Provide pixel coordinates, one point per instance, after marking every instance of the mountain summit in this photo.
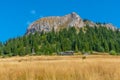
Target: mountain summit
(57, 22)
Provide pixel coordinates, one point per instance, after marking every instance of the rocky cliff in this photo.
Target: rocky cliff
(57, 22)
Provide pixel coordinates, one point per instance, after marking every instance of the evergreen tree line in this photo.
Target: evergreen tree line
(86, 39)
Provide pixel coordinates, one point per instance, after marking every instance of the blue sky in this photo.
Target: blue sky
(16, 15)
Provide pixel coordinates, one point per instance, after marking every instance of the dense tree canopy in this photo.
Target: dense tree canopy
(86, 39)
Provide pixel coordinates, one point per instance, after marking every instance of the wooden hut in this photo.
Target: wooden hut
(66, 53)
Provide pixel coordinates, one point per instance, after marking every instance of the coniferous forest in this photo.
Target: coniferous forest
(86, 39)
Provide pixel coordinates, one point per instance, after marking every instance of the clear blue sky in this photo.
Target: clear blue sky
(16, 15)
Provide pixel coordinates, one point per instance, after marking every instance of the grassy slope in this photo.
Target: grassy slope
(95, 67)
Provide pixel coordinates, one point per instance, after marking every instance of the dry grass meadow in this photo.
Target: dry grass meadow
(94, 67)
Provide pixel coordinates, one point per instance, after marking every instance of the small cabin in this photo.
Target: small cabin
(66, 53)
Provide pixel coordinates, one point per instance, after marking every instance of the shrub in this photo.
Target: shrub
(112, 52)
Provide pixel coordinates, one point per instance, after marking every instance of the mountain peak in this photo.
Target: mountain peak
(74, 14)
(57, 22)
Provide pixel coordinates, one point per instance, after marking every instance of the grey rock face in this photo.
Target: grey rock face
(71, 20)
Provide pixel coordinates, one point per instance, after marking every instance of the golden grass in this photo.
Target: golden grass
(60, 68)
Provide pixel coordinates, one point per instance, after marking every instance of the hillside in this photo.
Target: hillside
(87, 39)
(47, 37)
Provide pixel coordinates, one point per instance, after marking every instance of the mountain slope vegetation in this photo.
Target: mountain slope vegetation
(85, 39)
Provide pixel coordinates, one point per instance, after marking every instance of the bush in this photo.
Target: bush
(112, 52)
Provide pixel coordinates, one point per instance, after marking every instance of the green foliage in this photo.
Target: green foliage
(112, 52)
(86, 39)
(1, 47)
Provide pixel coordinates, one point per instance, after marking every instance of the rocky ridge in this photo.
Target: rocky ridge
(57, 22)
